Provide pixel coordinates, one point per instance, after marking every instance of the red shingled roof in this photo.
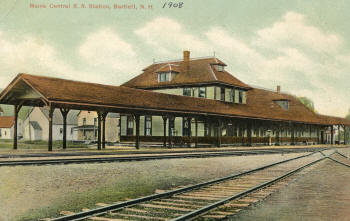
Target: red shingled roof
(6, 122)
(260, 103)
(200, 72)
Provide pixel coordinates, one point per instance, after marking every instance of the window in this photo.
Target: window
(284, 104)
(222, 93)
(0, 133)
(84, 121)
(240, 97)
(130, 126)
(148, 125)
(202, 92)
(165, 76)
(187, 91)
(232, 95)
(95, 121)
(61, 130)
(219, 67)
(71, 131)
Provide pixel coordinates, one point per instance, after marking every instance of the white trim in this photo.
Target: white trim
(212, 72)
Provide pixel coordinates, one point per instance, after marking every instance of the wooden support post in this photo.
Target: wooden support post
(137, 140)
(103, 117)
(318, 134)
(277, 143)
(51, 110)
(17, 108)
(165, 118)
(99, 118)
(196, 139)
(171, 125)
(293, 133)
(344, 129)
(15, 133)
(64, 112)
(249, 133)
(332, 135)
(219, 133)
(241, 133)
(189, 130)
(339, 135)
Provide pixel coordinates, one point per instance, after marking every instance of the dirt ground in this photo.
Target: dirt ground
(321, 194)
(32, 192)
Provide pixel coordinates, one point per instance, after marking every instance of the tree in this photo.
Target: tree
(308, 103)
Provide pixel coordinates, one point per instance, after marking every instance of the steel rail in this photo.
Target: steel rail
(117, 206)
(240, 150)
(337, 161)
(205, 209)
(130, 158)
(117, 159)
(341, 154)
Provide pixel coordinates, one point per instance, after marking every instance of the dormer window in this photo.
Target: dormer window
(164, 76)
(284, 104)
(219, 67)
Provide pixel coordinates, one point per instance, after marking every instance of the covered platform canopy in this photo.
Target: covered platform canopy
(32, 90)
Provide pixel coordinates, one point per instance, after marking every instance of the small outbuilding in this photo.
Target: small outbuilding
(6, 127)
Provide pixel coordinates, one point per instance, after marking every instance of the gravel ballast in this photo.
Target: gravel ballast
(321, 194)
(33, 192)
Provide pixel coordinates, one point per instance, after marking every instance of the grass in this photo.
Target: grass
(37, 145)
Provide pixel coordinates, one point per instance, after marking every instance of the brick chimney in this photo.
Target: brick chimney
(278, 88)
(186, 63)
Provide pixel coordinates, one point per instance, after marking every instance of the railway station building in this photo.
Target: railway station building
(188, 102)
(261, 116)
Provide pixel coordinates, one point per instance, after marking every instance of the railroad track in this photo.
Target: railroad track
(143, 158)
(341, 159)
(92, 153)
(215, 199)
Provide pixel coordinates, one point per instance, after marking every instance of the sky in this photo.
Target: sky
(304, 46)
